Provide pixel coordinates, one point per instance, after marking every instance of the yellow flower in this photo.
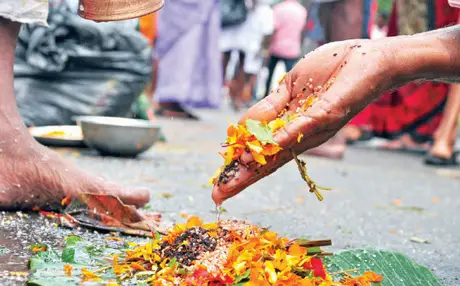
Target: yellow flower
(276, 124)
(194, 221)
(90, 276)
(256, 151)
(270, 272)
(299, 137)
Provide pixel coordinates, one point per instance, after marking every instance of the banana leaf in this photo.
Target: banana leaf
(396, 268)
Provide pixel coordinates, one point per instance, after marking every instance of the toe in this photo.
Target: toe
(136, 197)
(129, 196)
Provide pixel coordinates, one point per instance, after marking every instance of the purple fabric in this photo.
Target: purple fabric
(187, 48)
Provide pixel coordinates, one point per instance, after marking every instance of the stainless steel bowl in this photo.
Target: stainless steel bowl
(117, 136)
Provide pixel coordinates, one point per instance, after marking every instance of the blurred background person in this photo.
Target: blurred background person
(412, 116)
(234, 38)
(338, 20)
(380, 28)
(346, 19)
(259, 28)
(290, 19)
(189, 71)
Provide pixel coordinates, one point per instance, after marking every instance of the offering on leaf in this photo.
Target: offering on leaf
(225, 253)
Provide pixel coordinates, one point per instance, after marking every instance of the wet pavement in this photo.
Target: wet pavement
(379, 199)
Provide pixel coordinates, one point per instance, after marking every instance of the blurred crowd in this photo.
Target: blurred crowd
(207, 51)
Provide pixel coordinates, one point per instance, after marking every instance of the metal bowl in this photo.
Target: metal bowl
(117, 136)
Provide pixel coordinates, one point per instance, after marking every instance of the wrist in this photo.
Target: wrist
(427, 56)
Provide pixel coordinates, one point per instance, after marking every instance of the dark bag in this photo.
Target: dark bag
(78, 67)
(234, 12)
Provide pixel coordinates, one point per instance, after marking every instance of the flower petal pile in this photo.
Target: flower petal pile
(227, 253)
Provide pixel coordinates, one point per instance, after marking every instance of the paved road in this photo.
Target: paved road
(361, 211)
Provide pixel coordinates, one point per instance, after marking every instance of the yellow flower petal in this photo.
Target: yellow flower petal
(255, 146)
(259, 158)
(193, 221)
(270, 272)
(229, 155)
(282, 78)
(276, 124)
(299, 137)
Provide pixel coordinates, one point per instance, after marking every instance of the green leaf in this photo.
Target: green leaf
(396, 268)
(4, 250)
(262, 132)
(243, 277)
(44, 259)
(172, 262)
(68, 255)
(54, 275)
(313, 250)
(72, 240)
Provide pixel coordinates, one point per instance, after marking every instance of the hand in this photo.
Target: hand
(357, 71)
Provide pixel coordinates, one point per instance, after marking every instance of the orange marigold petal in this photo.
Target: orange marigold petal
(193, 221)
(297, 250)
(68, 269)
(271, 149)
(372, 276)
(232, 133)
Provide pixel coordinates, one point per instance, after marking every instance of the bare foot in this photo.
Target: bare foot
(332, 149)
(32, 175)
(442, 149)
(352, 132)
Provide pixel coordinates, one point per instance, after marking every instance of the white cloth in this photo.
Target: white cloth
(253, 62)
(25, 11)
(454, 3)
(248, 36)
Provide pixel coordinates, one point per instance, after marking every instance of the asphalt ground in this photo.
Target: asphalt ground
(380, 199)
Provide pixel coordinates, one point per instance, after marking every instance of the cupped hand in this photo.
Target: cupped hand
(347, 76)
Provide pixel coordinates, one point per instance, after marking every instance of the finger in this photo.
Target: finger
(358, 83)
(268, 108)
(303, 78)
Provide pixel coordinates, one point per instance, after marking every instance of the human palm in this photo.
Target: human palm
(344, 76)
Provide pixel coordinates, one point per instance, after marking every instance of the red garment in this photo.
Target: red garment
(415, 108)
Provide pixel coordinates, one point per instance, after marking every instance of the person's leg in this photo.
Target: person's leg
(444, 141)
(289, 63)
(225, 60)
(30, 174)
(237, 86)
(271, 69)
(252, 67)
